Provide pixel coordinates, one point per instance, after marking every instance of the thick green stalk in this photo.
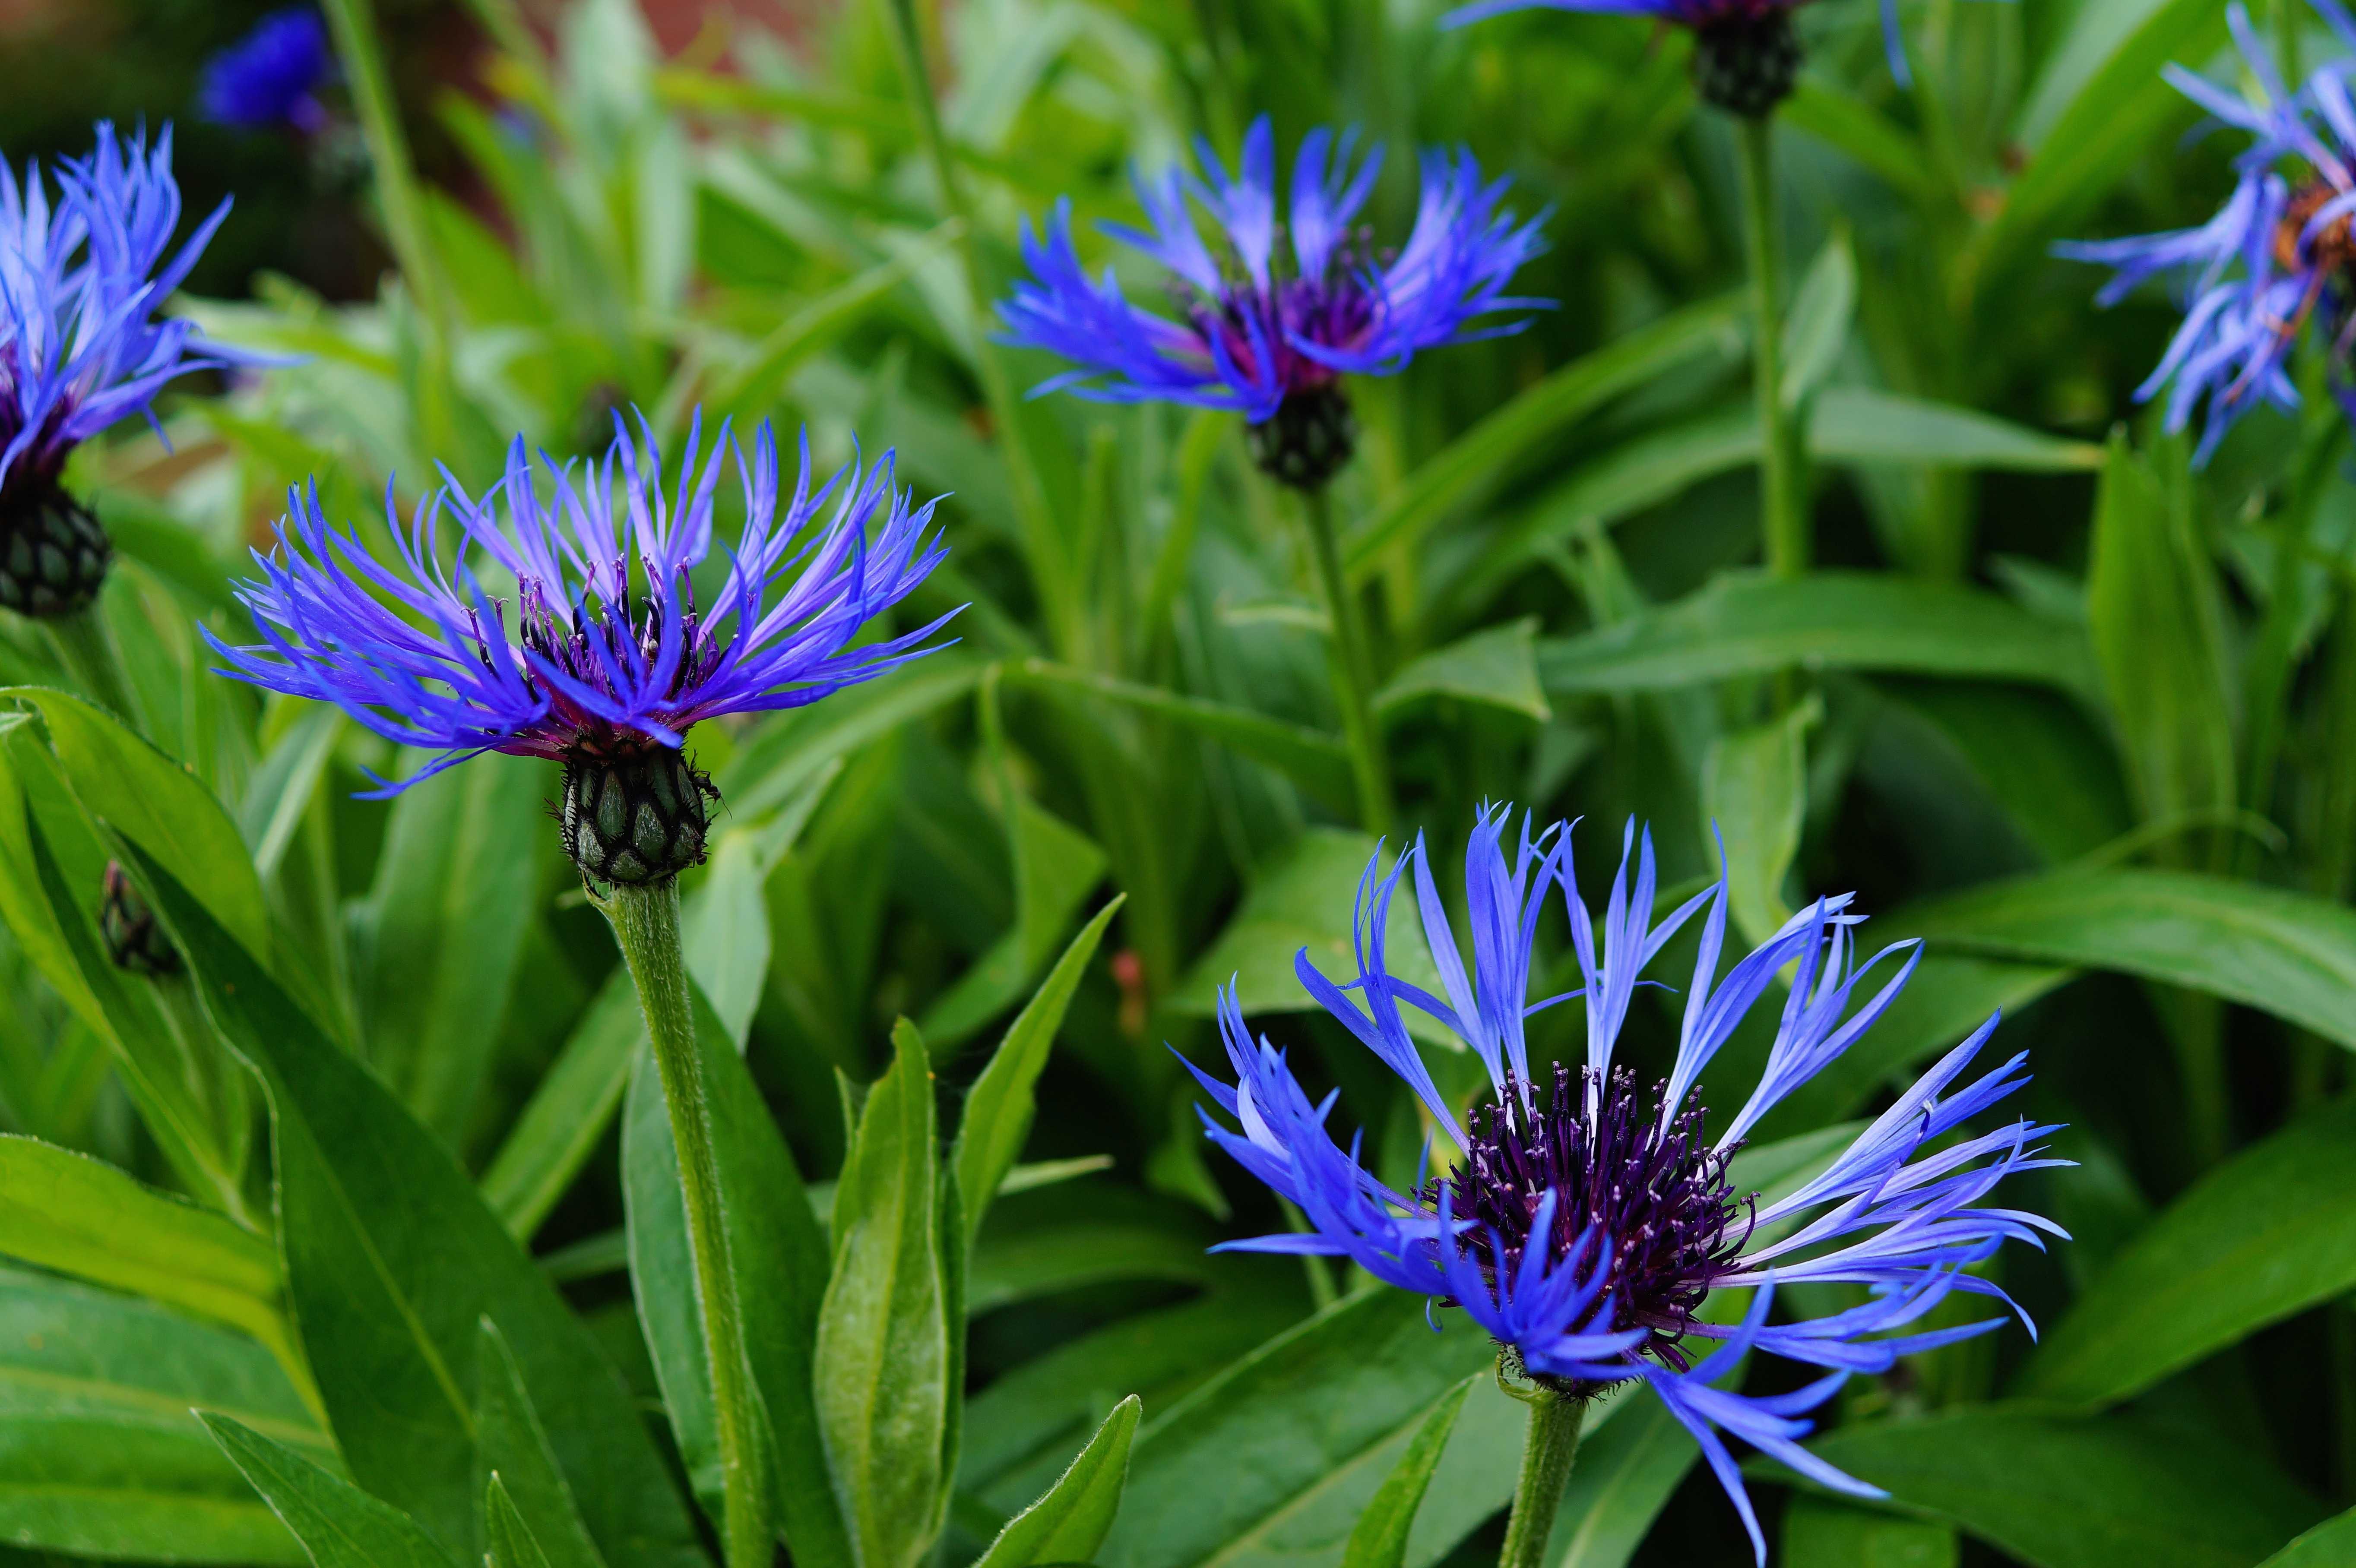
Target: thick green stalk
(87, 649)
(1783, 526)
(645, 923)
(1354, 675)
(1547, 1455)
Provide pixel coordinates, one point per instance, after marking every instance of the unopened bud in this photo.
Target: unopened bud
(636, 819)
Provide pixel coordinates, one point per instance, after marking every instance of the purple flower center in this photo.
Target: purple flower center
(1661, 1195)
(1335, 311)
(590, 648)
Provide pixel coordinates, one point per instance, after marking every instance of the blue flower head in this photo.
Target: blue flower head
(82, 273)
(2278, 254)
(1585, 1222)
(565, 624)
(1746, 56)
(269, 76)
(1267, 327)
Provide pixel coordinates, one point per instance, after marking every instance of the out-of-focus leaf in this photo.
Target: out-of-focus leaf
(1823, 1532)
(1041, 1261)
(1746, 623)
(393, 1260)
(1379, 1541)
(1071, 1522)
(2270, 1233)
(1754, 798)
(1497, 667)
(1856, 128)
(1055, 868)
(1862, 424)
(1817, 326)
(999, 1108)
(2060, 1491)
(99, 1452)
(340, 1525)
(883, 1338)
(778, 1251)
(2281, 952)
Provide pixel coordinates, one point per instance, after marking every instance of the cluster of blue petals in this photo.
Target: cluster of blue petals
(1252, 324)
(1900, 1212)
(607, 652)
(1696, 15)
(271, 76)
(2247, 293)
(81, 276)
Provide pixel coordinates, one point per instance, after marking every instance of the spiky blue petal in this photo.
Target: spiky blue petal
(269, 76)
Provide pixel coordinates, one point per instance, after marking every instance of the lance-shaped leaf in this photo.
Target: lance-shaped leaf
(338, 1524)
(1071, 1522)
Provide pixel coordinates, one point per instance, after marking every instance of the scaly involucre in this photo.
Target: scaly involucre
(1257, 322)
(607, 652)
(1583, 1224)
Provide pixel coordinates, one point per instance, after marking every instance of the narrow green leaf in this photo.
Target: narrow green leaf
(1498, 665)
(2270, 1233)
(1754, 798)
(520, 1468)
(883, 1352)
(338, 1524)
(1823, 1532)
(1834, 117)
(509, 1540)
(2058, 1491)
(392, 1260)
(2331, 1544)
(1711, 329)
(1862, 425)
(1072, 1519)
(1817, 328)
(1380, 1539)
(998, 1109)
(2283, 953)
(780, 1251)
(1746, 623)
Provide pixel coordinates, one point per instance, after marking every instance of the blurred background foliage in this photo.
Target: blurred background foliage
(2081, 716)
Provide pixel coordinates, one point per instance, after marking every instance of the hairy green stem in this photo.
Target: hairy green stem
(87, 648)
(1783, 525)
(1353, 677)
(645, 923)
(1547, 1453)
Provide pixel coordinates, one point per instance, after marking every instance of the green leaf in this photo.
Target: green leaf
(1303, 900)
(509, 1540)
(438, 940)
(2059, 1491)
(2151, 601)
(1754, 798)
(1712, 329)
(1747, 624)
(79, 1216)
(1044, 1260)
(1380, 1539)
(1824, 1534)
(1311, 759)
(2283, 953)
(1817, 328)
(338, 1524)
(999, 1108)
(726, 932)
(392, 1260)
(883, 1352)
(1835, 118)
(2327, 1545)
(779, 1253)
(519, 1464)
(1055, 868)
(1072, 1519)
(1498, 665)
(2270, 1233)
(1291, 1440)
(1862, 424)
(1625, 1475)
(99, 1452)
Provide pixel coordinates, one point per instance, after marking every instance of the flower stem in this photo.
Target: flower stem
(1353, 677)
(1783, 526)
(645, 923)
(1547, 1455)
(86, 647)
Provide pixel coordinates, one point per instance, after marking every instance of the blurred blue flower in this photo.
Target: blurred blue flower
(1748, 56)
(1583, 1225)
(609, 656)
(1259, 326)
(2279, 253)
(269, 76)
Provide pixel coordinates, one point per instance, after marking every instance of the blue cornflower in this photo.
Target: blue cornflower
(1583, 1226)
(1263, 331)
(1746, 53)
(609, 661)
(81, 276)
(271, 76)
(2279, 252)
